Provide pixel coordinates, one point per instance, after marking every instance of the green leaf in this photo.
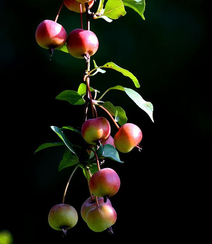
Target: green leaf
(63, 137)
(125, 72)
(72, 97)
(82, 89)
(110, 152)
(63, 48)
(72, 129)
(48, 145)
(114, 9)
(68, 160)
(117, 112)
(137, 99)
(137, 5)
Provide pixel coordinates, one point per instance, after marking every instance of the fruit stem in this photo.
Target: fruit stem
(81, 16)
(109, 115)
(66, 188)
(88, 176)
(88, 16)
(58, 13)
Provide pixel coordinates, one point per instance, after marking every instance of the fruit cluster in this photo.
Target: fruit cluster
(80, 43)
(96, 141)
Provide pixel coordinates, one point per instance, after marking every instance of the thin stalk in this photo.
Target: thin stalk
(81, 18)
(67, 185)
(88, 175)
(58, 13)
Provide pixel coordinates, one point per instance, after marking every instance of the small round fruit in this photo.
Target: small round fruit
(50, 34)
(62, 216)
(127, 137)
(109, 141)
(96, 129)
(74, 5)
(104, 182)
(89, 204)
(82, 43)
(101, 217)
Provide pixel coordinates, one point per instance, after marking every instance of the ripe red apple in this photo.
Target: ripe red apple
(127, 137)
(74, 5)
(82, 43)
(83, 1)
(109, 141)
(89, 204)
(101, 217)
(62, 216)
(50, 34)
(104, 182)
(95, 129)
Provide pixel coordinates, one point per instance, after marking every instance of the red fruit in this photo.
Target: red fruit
(104, 182)
(74, 5)
(90, 204)
(82, 43)
(127, 137)
(109, 141)
(101, 217)
(50, 34)
(96, 129)
(83, 1)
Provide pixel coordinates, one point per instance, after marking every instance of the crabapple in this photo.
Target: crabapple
(104, 182)
(82, 43)
(89, 204)
(127, 137)
(74, 5)
(101, 217)
(50, 34)
(96, 129)
(83, 1)
(109, 141)
(62, 217)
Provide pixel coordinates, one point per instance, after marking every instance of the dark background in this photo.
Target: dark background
(170, 53)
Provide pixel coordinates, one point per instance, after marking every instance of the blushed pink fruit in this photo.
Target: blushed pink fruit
(128, 137)
(104, 182)
(74, 5)
(50, 34)
(82, 43)
(95, 129)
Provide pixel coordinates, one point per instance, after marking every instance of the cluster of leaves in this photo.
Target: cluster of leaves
(77, 154)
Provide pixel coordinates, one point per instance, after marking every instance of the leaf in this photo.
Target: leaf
(72, 97)
(137, 5)
(63, 137)
(110, 151)
(125, 72)
(68, 160)
(137, 99)
(72, 129)
(82, 89)
(117, 112)
(48, 145)
(114, 9)
(63, 48)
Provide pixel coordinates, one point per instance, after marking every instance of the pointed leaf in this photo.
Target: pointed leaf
(72, 129)
(48, 145)
(137, 5)
(110, 152)
(69, 159)
(72, 97)
(114, 9)
(63, 48)
(125, 72)
(63, 137)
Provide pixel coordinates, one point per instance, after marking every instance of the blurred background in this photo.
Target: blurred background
(170, 54)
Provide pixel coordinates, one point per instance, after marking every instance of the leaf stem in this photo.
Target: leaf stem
(67, 185)
(58, 13)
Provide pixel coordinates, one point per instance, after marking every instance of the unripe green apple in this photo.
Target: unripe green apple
(50, 34)
(89, 204)
(82, 43)
(128, 137)
(96, 129)
(104, 182)
(74, 5)
(62, 216)
(101, 217)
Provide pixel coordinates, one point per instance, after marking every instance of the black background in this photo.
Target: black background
(170, 53)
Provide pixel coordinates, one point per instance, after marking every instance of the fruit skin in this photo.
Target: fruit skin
(101, 217)
(95, 129)
(74, 5)
(109, 141)
(62, 216)
(83, 1)
(82, 43)
(128, 137)
(104, 182)
(90, 204)
(50, 34)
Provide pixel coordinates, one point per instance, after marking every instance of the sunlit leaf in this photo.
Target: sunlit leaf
(114, 9)
(72, 97)
(137, 5)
